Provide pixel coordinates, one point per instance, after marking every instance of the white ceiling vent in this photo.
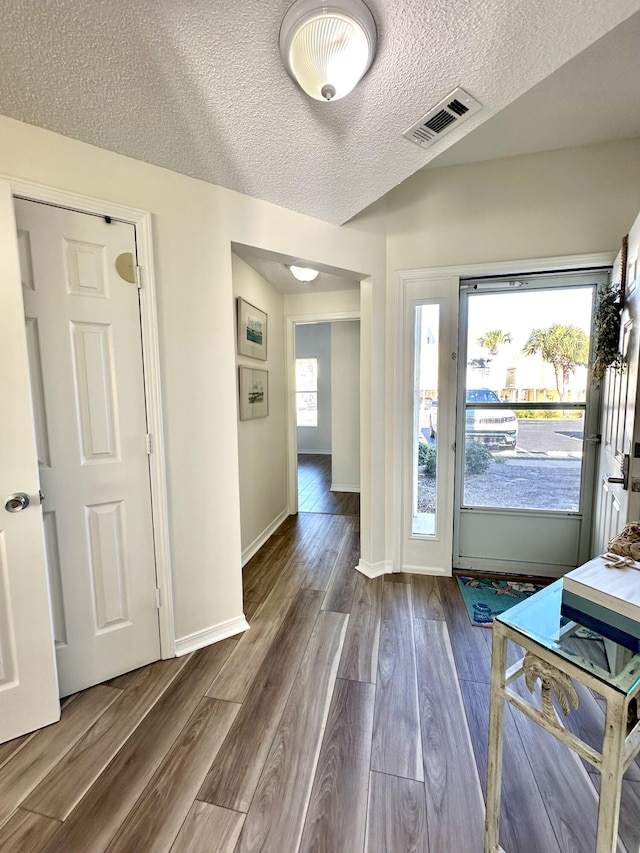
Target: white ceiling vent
(445, 116)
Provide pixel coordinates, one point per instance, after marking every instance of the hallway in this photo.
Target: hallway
(314, 488)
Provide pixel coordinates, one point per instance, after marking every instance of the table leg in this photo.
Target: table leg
(496, 715)
(615, 729)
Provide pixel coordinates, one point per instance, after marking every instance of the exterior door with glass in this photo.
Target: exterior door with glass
(527, 424)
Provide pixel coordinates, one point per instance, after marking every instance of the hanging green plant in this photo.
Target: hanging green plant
(607, 328)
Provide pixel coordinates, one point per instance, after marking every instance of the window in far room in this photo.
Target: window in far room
(307, 392)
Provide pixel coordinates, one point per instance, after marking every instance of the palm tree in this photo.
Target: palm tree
(492, 340)
(564, 347)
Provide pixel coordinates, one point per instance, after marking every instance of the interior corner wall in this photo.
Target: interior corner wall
(194, 224)
(345, 397)
(565, 202)
(262, 445)
(313, 340)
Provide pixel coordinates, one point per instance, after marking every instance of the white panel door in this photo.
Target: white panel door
(83, 333)
(616, 504)
(28, 686)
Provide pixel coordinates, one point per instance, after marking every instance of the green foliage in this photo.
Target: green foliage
(427, 457)
(477, 457)
(607, 325)
(492, 340)
(564, 347)
(547, 414)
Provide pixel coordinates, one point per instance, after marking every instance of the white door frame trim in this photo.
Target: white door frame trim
(141, 219)
(515, 267)
(290, 377)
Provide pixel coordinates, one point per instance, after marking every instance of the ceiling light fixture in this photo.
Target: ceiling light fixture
(327, 46)
(304, 273)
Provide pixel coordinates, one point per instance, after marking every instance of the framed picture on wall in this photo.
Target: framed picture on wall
(254, 393)
(252, 331)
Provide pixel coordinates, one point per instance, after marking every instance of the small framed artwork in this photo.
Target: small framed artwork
(254, 393)
(252, 331)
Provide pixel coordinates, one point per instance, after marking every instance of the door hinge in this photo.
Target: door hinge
(139, 276)
(158, 599)
(149, 444)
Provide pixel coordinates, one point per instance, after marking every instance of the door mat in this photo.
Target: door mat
(485, 598)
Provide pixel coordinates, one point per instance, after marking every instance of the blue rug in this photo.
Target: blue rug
(486, 598)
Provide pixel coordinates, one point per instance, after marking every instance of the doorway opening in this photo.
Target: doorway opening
(327, 394)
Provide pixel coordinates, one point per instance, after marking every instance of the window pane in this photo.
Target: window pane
(540, 470)
(526, 347)
(307, 408)
(306, 392)
(306, 374)
(427, 321)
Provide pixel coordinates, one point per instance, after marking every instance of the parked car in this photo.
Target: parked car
(498, 427)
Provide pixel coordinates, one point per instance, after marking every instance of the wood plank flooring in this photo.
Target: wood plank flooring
(352, 718)
(314, 488)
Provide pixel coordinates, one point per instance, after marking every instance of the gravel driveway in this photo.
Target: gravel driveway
(543, 473)
(540, 484)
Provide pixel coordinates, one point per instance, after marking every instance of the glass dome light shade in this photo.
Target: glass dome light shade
(304, 273)
(327, 47)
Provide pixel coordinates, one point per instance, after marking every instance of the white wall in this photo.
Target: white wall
(345, 396)
(566, 202)
(313, 340)
(194, 226)
(310, 305)
(262, 442)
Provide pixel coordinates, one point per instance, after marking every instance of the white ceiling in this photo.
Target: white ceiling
(198, 86)
(593, 98)
(274, 267)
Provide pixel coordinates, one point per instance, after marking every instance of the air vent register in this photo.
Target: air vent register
(449, 113)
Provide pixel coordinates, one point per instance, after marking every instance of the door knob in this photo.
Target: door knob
(624, 479)
(17, 502)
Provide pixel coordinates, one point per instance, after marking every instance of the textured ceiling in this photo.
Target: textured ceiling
(593, 98)
(198, 86)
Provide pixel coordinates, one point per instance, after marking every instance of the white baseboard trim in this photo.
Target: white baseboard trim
(314, 453)
(428, 570)
(374, 570)
(337, 487)
(259, 541)
(207, 636)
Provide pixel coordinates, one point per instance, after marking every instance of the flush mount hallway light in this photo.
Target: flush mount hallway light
(327, 47)
(304, 273)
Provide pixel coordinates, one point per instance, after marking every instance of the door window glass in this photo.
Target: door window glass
(525, 398)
